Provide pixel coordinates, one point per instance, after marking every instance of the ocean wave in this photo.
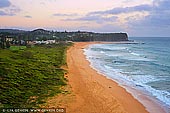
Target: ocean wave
(102, 52)
(136, 57)
(138, 82)
(136, 54)
(115, 63)
(107, 47)
(162, 95)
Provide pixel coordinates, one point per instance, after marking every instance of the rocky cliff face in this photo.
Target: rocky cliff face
(109, 37)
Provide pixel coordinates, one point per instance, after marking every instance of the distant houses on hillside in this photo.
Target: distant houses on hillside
(41, 36)
(45, 42)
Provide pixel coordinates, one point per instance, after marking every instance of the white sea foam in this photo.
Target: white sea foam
(108, 47)
(136, 54)
(161, 95)
(102, 52)
(115, 54)
(137, 82)
(143, 79)
(136, 57)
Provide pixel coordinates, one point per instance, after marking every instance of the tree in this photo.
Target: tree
(3, 41)
(7, 44)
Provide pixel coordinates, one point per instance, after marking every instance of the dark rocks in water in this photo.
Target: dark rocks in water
(139, 85)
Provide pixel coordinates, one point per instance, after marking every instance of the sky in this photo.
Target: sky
(135, 17)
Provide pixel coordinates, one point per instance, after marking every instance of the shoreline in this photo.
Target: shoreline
(152, 104)
(94, 92)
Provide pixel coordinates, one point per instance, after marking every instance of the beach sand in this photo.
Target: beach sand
(91, 92)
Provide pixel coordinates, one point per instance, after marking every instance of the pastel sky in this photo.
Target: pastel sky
(136, 17)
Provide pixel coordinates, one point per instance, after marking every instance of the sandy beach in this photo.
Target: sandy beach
(94, 93)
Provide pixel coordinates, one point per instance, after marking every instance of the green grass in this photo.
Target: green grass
(17, 47)
(29, 76)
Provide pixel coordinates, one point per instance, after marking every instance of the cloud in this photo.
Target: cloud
(109, 28)
(14, 10)
(10, 11)
(27, 16)
(138, 19)
(65, 15)
(155, 23)
(2, 13)
(162, 4)
(4, 3)
(101, 17)
(120, 10)
(159, 16)
(94, 18)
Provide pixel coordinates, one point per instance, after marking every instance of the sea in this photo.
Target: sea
(143, 66)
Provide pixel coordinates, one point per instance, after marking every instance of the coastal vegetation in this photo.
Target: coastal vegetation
(18, 37)
(30, 75)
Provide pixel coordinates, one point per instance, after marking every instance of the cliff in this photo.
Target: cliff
(109, 37)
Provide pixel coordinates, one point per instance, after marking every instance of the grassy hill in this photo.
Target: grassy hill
(29, 75)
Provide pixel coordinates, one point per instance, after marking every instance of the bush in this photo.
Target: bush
(27, 54)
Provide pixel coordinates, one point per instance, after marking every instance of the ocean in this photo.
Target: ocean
(144, 66)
